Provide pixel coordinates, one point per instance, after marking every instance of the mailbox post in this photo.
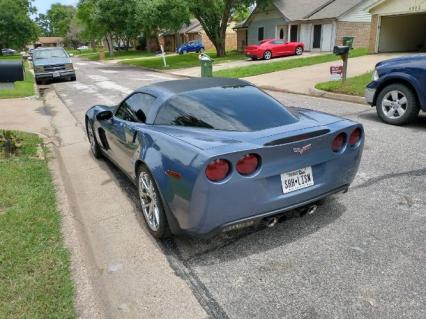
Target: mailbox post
(10, 72)
(343, 52)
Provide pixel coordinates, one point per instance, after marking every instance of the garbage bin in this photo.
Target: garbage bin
(348, 41)
(206, 65)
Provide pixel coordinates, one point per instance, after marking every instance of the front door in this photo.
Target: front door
(126, 123)
(293, 33)
(317, 36)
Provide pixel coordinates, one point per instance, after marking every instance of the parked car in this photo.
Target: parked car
(8, 51)
(212, 155)
(398, 89)
(271, 48)
(83, 47)
(52, 64)
(191, 46)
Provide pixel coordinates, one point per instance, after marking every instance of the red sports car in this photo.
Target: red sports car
(271, 48)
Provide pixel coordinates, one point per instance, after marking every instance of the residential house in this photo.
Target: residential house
(320, 24)
(398, 25)
(49, 42)
(194, 31)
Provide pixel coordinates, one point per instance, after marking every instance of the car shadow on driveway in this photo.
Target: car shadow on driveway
(419, 123)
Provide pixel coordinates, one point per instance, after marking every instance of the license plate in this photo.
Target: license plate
(298, 179)
(56, 74)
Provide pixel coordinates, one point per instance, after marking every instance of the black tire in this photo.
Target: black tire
(39, 82)
(387, 110)
(267, 55)
(161, 230)
(298, 51)
(73, 78)
(94, 145)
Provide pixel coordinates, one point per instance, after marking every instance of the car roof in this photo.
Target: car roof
(179, 86)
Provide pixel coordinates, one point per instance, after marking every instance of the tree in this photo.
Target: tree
(155, 16)
(16, 27)
(60, 17)
(214, 16)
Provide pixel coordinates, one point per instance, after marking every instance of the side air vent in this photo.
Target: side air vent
(297, 138)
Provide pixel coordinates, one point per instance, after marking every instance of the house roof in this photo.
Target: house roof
(50, 40)
(335, 9)
(314, 9)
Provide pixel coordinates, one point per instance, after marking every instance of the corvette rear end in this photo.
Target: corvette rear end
(250, 178)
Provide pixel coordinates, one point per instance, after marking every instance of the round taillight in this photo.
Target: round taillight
(248, 164)
(338, 142)
(355, 137)
(217, 170)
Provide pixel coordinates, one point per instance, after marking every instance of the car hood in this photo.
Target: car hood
(208, 139)
(51, 61)
(408, 59)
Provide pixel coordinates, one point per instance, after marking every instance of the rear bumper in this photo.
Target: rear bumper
(52, 75)
(254, 54)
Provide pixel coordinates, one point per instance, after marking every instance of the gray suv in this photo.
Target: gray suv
(52, 64)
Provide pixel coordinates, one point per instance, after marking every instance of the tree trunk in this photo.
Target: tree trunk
(108, 39)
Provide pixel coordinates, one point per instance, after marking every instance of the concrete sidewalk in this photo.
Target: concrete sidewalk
(119, 270)
(302, 80)
(196, 71)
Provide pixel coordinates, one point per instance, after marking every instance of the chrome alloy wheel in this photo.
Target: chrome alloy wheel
(91, 139)
(149, 201)
(394, 104)
(299, 51)
(267, 55)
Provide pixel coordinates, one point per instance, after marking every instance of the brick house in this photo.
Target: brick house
(320, 24)
(49, 42)
(194, 31)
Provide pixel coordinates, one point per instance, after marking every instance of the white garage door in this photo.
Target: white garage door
(402, 33)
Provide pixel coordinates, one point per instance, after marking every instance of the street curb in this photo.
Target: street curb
(336, 96)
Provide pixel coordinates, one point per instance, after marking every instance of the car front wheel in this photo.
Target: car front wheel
(267, 55)
(397, 104)
(151, 204)
(299, 51)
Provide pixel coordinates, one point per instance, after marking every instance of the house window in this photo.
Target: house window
(260, 33)
(281, 33)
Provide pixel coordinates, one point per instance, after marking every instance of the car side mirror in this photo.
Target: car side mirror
(104, 116)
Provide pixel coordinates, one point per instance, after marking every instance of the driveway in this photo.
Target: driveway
(303, 80)
(361, 255)
(196, 71)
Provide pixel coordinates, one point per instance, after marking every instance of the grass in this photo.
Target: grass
(256, 69)
(22, 88)
(183, 61)
(35, 279)
(352, 86)
(93, 55)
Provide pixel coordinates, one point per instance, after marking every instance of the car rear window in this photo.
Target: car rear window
(240, 108)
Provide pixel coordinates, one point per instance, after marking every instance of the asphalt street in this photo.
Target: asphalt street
(361, 255)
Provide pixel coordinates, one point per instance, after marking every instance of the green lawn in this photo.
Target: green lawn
(183, 61)
(94, 55)
(22, 88)
(283, 64)
(352, 86)
(35, 279)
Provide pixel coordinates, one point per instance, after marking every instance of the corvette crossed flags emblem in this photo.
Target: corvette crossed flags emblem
(303, 149)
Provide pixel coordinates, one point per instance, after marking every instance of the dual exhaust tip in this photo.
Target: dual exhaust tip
(272, 221)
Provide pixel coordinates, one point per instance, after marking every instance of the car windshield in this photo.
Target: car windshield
(47, 54)
(237, 108)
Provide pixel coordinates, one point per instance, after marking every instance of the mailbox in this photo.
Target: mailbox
(11, 71)
(340, 49)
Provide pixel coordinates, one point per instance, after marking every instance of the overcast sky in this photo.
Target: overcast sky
(44, 5)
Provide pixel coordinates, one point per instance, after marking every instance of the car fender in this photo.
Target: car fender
(175, 166)
(400, 77)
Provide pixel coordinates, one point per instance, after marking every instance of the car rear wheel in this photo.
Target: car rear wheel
(94, 145)
(267, 55)
(299, 51)
(151, 204)
(202, 50)
(397, 104)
